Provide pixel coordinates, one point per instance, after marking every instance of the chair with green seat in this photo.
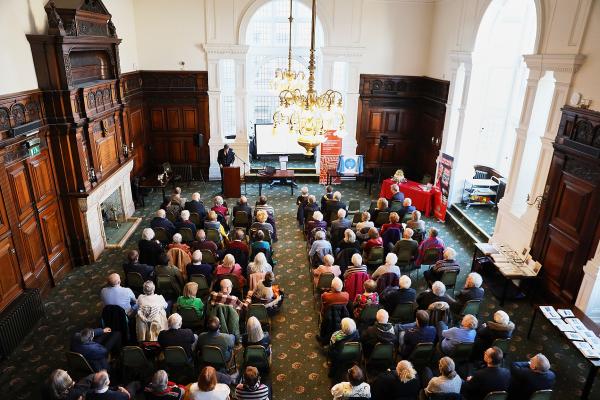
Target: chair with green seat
(448, 278)
(166, 287)
(186, 235)
(542, 395)
(368, 315)
(260, 312)
(214, 236)
(498, 395)
(161, 235)
(134, 363)
(213, 356)
(241, 220)
(203, 286)
(354, 207)
(462, 355)
(421, 355)
(382, 357)
(208, 257)
(376, 257)
(135, 282)
(405, 259)
(403, 313)
(373, 205)
(396, 206)
(195, 218)
(504, 345)
(175, 361)
(78, 365)
(382, 218)
(357, 218)
(470, 307)
(430, 257)
(256, 356)
(323, 284)
(351, 353)
(190, 318)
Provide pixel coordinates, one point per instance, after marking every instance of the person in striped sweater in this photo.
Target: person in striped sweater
(251, 388)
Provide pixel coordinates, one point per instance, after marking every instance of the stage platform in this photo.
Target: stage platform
(476, 221)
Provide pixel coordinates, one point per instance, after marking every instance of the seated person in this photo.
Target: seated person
(389, 267)
(151, 317)
(219, 206)
(365, 221)
(251, 388)
(436, 293)
(355, 387)
(380, 332)
(301, 202)
(357, 265)
(60, 386)
(206, 387)
(260, 243)
(189, 299)
(334, 296)
(259, 264)
(328, 196)
(397, 195)
(268, 294)
(255, 335)
(341, 222)
(492, 378)
(452, 337)
(177, 336)
(447, 382)
(261, 222)
(202, 244)
(261, 204)
(436, 271)
(407, 208)
(160, 387)
(418, 332)
(149, 248)
(95, 345)
(311, 206)
(327, 266)
(184, 222)
(173, 205)
(196, 206)
(406, 245)
(321, 247)
(213, 337)
(401, 384)
(197, 267)
(239, 242)
(349, 242)
(161, 221)
(347, 333)
(529, 377)
(101, 389)
(230, 267)
(432, 242)
(316, 223)
(471, 291)
(133, 265)
(176, 244)
(116, 295)
(166, 268)
(382, 206)
(393, 224)
(242, 205)
(212, 222)
(334, 205)
(500, 328)
(393, 296)
(416, 223)
(367, 298)
(374, 241)
(225, 297)
(177, 196)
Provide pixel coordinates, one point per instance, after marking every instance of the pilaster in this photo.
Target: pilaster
(588, 299)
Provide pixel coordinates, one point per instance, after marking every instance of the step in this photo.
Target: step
(471, 222)
(464, 225)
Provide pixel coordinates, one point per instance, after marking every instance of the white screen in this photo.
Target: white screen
(267, 143)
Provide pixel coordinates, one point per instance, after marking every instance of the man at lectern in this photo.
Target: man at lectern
(225, 158)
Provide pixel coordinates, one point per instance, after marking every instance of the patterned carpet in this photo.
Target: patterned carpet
(483, 216)
(299, 368)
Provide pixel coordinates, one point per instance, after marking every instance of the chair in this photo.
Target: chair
(171, 216)
(357, 218)
(403, 313)
(161, 235)
(390, 237)
(421, 355)
(396, 206)
(382, 218)
(203, 286)
(213, 356)
(430, 257)
(368, 315)
(166, 287)
(324, 282)
(405, 259)
(195, 218)
(260, 312)
(186, 235)
(354, 207)
(241, 220)
(256, 356)
(382, 357)
(499, 395)
(175, 357)
(343, 259)
(443, 396)
(351, 353)
(190, 318)
(502, 344)
(78, 365)
(237, 288)
(373, 205)
(208, 257)
(542, 395)
(471, 307)
(337, 235)
(135, 282)
(134, 362)
(462, 354)
(115, 318)
(214, 236)
(376, 257)
(449, 279)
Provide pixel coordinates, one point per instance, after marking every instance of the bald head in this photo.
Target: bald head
(226, 286)
(114, 279)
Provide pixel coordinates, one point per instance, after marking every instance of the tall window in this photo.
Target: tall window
(268, 36)
(227, 83)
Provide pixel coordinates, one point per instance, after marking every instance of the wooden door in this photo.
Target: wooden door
(36, 273)
(21, 195)
(40, 171)
(10, 283)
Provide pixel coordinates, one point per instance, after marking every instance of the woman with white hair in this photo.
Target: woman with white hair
(149, 249)
(501, 327)
(319, 247)
(357, 265)
(161, 388)
(451, 338)
(177, 244)
(447, 382)
(151, 316)
(255, 335)
(260, 264)
(219, 206)
(402, 383)
(447, 264)
(471, 291)
(316, 223)
(184, 222)
(349, 241)
(389, 267)
(416, 223)
(327, 266)
(60, 386)
(229, 267)
(347, 333)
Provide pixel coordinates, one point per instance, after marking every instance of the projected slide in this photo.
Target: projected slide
(267, 143)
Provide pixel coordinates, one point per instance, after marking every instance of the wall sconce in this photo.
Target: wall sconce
(125, 150)
(537, 201)
(92, 175)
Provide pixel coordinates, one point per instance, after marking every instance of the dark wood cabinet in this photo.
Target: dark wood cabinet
(569, 220)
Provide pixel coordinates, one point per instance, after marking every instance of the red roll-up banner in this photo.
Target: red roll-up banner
(331, 150)
(442, 186)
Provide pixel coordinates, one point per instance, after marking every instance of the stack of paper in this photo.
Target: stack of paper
(499, 258)
(561, 325)
(587, 350)
(574, 336)
(549, 312)
(576, 324)
(566, 313)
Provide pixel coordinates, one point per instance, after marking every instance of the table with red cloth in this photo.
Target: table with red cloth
(421, 199)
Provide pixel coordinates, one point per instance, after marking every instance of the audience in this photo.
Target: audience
(407, 208)
(452, 337)
(446, 265)
(176, 336)
(327, 266)
(226, 298)
(500, 328)
(196, 206)
(255, 335)
(374, 241)
(60, 386)
(401, 384)
(261, 204)
(260, 243)
(355, 387)
(328, 196)
(406, 246)
(301, 203)
(392, 296)
(382, 206)
(316, 224)
(380, 332)
(115, 295)
(334, 296)
(184, 222)
(149, 248)
(311, 206)
(269, 294)
(341, 222)
(213, 337)
(261, 222)
(161, 388)
(197, 267)
(389, 267)
(529, 377)
(365, 222)
(133, 265)
(189, 300)
(212, 222)
(207, 388)
(151, 316)
(161, 221)
(95, 345)
(432, 242)
(202, 244)
(238, 243)
(230, 267)
(349, 242)
(367, 298)
(333, 206)
(242, 206)
(346, 333)
(418, 332)
(357, 265)
(447, 382)
(436, 293)
(251, 388)
(397, 195)
(259, 264)
(489, 379)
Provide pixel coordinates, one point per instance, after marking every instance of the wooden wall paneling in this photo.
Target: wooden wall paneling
(10, 282)
(173, 119)
(4, 225)
(36, 275)
(40, 172)
(21, 196)
(157, 120)
(190, 121)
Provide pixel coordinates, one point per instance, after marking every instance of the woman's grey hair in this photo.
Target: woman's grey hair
(160, 380)
(254, 329)
(185, 215)
(175, 321)
(337, 284)
(474, 280)
(447, 367)
(318, 216)
(501, 317)
(320, 235)
(304, 190)
(218, 200)
(328, 259)
(348, 326)
(260, 259)
(349, 236)
(405, 282)
(356, 260)
(148, 234)
(449, 253)
(149, 288)
(177, 238)
(341, 213)
(61, 383)
(469, 321)
(391, 259)
(438, 288)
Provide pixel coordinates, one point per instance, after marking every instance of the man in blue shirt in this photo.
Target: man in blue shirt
(116, 295)
(95, 344)
(452, 337)
(417, 332)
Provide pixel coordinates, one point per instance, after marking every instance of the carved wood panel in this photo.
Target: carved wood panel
(173, 119)
(52, 231)
(10, 283)
(40, 171)
(4, 226)
(157, 119)
(190, 121)
(22, 199)
(34, 249)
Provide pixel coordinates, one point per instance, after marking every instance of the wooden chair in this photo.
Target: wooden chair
(186, 235)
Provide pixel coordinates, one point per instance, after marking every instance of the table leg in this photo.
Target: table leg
(260, 188)
(474, 257)
(589, 382)
(292, 186)
(535, 311)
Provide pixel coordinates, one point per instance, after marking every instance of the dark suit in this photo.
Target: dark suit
(525, 381)
(387, 386)
(309, 207)
(426, 298)
(147, 271)
(158, 222)
(398, 197)
(245, 208)
(406, 210)
(415, 335)
(95, 353)
(186, 224)
(332, 207)
(108, 395)
(177, 337)
(484, 381)
(149, 251)
(200, 269)
(391, 298)
(325, 200)
(194, 206)
(225, 160)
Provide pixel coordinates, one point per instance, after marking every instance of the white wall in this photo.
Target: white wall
(123, 17)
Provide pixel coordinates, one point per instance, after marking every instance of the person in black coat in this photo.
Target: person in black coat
(101, 389)
(149, 249)
(225, 158)
(471, 291)
(380, 332)
(417, 332)
(196, 206)
(311, 206)
(133, 265)
(242, 205)
(401, 384)
(489, 379)
(95, 344)
(437, 293)
(161, 221)
(328, 196)
(392, 296)
(397, 195)
(500, 328)
(197, 267)
(333, 206)
(176, 336)
(184, 222)
(529, 377)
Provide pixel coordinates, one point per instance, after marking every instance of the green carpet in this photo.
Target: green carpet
(299, 369)
(483, 216)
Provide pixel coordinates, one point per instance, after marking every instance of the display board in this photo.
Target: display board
(278, 143)
(331, 150)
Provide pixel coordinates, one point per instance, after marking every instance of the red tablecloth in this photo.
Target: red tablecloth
(421, 199)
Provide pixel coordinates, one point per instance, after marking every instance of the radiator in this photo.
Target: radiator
(18, 319)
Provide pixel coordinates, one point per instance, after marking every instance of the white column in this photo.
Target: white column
(241, 146)
(588, 299)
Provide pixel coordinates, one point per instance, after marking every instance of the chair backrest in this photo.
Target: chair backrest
(213, 356)
(190, 318)
(471, 307)
(161, 235)
(308, 216)
(351, 352)
(133, 357)
(195, 218)
(449, 278)
(241, 218)
(175, 356)
(171, 216)
(78, 364)
(203, 286)
(115, 318)
(382, 218)
(462, 352)
(403, 313)
(186, 234)
(368, 314)
(165, 286)
(418, 235)
(353, 206)
(376, 255)
(208, 257)
(260, 312)
(325, 279)
(373, 205)
(383, 352)
(438, 311)
(502, 344)
(405, 257)
(357, 218)
(498, 395)
(213, 235)
(135, 281)
(396, 206)
(256, 356)
(542, 395)
(386, 280)
(432, 255)
(391, 236)
(422, 354)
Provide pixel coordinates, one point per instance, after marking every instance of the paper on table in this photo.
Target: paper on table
(590, 353)
(562, 326)
(573, 336)
(576, 323)
(564, 312)
(582, 345)
(549, 312)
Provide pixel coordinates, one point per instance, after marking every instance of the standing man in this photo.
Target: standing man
(225, 159)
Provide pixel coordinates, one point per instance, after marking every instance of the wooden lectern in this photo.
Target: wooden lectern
(232, 187)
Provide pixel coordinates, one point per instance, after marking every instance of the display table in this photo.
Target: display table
(386, 188)
(421, 199)
(287, 175)
(366, 176)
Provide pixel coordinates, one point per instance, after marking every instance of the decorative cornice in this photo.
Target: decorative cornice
(216, 51)
(569, 63)
(351, 54)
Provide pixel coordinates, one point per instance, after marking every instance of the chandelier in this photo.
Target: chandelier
(309, 115)
(287, 79)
